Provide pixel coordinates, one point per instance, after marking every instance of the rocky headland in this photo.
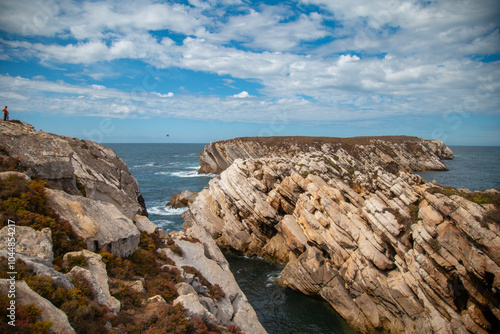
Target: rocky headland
(353, 224)
(88, 260)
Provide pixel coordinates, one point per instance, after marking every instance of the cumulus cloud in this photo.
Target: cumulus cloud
(242, 95)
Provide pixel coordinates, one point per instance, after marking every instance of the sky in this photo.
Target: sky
(206, 70)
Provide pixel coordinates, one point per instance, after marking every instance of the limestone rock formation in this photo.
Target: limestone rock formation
(26, 296)
(402, 151)
(34, 248)
(79, 167)
(29, 242)
(100, 224)
(94, 191)
(201, 252)
(388, 250)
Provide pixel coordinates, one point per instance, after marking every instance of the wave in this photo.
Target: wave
(149, 164)
(185, 174)
(161, 210)
(165, 223)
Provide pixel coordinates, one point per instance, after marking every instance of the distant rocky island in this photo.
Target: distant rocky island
(350, 220)
(88, 260)
(389, 251)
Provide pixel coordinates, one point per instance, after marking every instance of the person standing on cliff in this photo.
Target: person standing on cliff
(5, 114)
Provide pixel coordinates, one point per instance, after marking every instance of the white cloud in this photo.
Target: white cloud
(13, 96)
(94, 19)
(264, 30)
(384, 58)
(242, 95)
(169, 94)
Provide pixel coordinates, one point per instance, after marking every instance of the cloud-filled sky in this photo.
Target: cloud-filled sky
(204, 70)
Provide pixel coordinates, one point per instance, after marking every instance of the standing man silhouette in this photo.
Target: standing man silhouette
(5, 114)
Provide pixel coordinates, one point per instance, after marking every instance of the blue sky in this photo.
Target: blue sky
(205, 70)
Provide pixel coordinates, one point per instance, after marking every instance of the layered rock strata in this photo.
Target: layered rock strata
(200, 251)
(388, 250)
(390, 152)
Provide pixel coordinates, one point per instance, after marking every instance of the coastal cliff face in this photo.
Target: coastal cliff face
(388, 250)
(74, 166)
(407, 152)
(91, 259)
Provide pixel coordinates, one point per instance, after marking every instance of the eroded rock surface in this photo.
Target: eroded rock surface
(95, 273)
(100, 224)
(354, 225)
(78, 167)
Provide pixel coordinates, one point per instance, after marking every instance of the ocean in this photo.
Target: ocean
(166, 169)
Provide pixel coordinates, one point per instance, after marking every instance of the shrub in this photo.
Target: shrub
(173, 246)
(25, 203)
(84, 314)
(27, 318)
(215, 291)
(128, 297)
(233, 329)
(79, 260)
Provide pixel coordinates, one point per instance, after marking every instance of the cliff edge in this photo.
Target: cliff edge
(407, 152)
(354, 225)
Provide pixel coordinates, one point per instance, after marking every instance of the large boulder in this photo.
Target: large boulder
(28, 241)
(182, 199)
(100, 224)
(145, 225)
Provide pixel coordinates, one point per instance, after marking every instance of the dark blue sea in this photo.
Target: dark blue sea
(474, 168)
(166, 169)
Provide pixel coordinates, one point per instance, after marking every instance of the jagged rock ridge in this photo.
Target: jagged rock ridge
(388, 250)
(408, 152)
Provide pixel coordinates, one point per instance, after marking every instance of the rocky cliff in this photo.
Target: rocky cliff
(391, 151)
(85, 246)
(388, 250)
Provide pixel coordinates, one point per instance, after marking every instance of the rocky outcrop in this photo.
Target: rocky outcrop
(100, 224)
(182, 199)
(34, 248)
(388, 152)
(94, 272)
(389, 251)
(26, 296)
(78, 167)
(200, 251)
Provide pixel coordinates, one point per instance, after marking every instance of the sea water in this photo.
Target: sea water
(166, 169)
(474, 168)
